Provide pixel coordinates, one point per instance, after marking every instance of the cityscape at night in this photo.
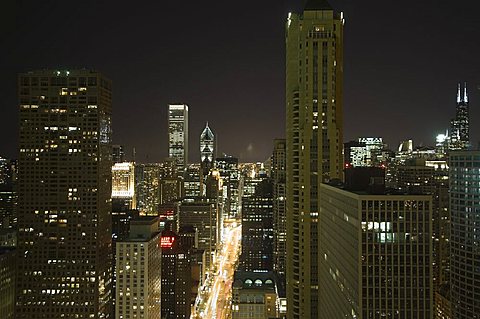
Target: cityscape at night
(289, 159)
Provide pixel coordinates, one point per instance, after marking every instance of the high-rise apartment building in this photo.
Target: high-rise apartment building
(464, 240)
(459, 126)
(178, 134)
(138, 271)
(375, 255)
(279, 209)
(64, 195)
(314, 80)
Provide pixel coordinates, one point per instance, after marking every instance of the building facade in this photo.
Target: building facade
(257, 229)
(138, 271)
(279, 209)
(178, 134)
(64, 195)
(202, 214)
(254, 296)
(7, 282)
(465, 224)
(176, 277)
(314, 131)
(375, 255)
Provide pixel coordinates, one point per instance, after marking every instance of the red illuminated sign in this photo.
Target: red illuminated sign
(167, 242)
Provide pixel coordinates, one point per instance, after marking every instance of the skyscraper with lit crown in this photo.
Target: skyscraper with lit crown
(207, 149)
(314, 77)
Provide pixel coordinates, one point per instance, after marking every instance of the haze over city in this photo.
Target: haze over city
(226, 60)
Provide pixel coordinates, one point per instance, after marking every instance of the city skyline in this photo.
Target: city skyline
(159, 71)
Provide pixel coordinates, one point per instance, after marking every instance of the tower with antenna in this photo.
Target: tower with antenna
(459, 126)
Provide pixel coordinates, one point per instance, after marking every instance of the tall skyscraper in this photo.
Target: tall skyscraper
(207, 150)
(64, 195)
(464, 240)
(178, 134)
(459, 126)
(314, 77)
(279, 209)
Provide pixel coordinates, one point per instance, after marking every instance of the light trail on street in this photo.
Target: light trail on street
(217, 303)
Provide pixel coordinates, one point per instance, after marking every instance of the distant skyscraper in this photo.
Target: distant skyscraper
(314, 81)
(207, 149)
(147, 187)
(459, 126)
(123, 185)
(138, 271)
(279, 210)
(228, 168)
(464, 240)
(178, 134)
(64, 191)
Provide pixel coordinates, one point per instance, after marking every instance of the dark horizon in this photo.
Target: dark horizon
(401, 69)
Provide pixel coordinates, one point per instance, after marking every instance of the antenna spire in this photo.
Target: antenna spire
(459, 98)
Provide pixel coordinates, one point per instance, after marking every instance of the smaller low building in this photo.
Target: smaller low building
(254, 295)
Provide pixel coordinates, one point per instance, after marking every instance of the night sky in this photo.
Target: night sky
(225, 59)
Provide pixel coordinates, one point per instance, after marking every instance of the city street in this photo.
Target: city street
(217, 303)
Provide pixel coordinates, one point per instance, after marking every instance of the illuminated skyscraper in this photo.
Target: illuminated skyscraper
(123, 185)
(64, 195)
(228, 168)
(178, 134)
(314, 80)
(207, 149)
(459, 126)
(464, 240)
